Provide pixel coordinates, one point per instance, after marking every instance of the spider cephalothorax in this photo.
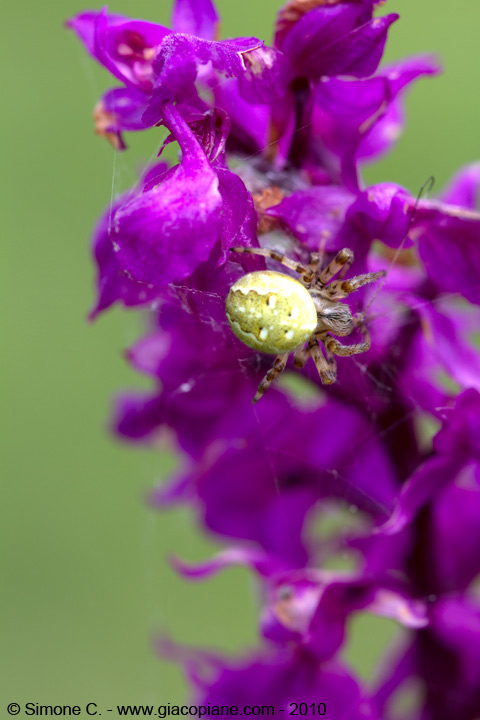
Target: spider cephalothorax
(276, 314)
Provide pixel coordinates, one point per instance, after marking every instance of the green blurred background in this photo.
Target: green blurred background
(85, 583)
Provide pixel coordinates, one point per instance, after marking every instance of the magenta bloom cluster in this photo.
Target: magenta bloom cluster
(381, 468)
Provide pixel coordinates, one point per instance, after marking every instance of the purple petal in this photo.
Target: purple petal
(399, 668)
(328, 42)
(155, 249)
(340, 599)
(280, 679)
(347, 111)
(124, 47)
(249, 123)
(266, 77)
(179, 56)
(463, 189)
(422, 376)
(418, 491)
(328, 23)
(165, 233)
(460, 435)
(238, 219)
(384, 213)
(455, 535)
(112, 283)
(402, 73)
(263, 564)
(138, 417)
(357, 54)
(119, 109)
(457, 622)
(293, 598)
(127, 106)
(195, 17)
(449, 246)
(314, 214)
(384, 134)
(83, 26)
(456, 444)
(344, 112)
(444, 332)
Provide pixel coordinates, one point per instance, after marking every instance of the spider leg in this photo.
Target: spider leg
(331, 362)
(315, 262)
(305, 272)
(341, 262)
(326, 370)
(341, 288)
(335, 347)
(277, 368)
(300, 357)
(316, 259)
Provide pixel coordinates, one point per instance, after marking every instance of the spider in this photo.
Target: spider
(276, 314)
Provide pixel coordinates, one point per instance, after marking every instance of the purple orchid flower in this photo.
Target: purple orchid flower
(156, 65)
(275, 679)
(310, 607)
(272, 142)
(332, 39)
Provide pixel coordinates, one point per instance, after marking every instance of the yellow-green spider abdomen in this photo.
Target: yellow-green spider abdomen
(271, 312)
